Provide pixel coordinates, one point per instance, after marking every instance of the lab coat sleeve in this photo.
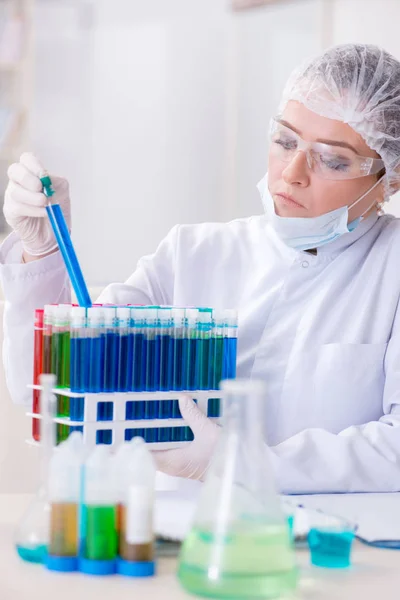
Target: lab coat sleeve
(363, 458)
(26, 287)
(153, 280)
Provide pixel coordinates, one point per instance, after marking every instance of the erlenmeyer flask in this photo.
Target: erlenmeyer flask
(32, 534)
(239, 546)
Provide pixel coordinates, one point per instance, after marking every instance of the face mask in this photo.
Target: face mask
(303, 233)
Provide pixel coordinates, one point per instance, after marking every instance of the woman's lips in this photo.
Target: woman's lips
(288, 201)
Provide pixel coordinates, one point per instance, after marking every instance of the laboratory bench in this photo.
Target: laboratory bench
(375, 574)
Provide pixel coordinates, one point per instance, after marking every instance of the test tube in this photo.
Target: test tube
(230, 344)
(178, 335)
(78, 363)
(125, 349)
(95, 342)
(151, 349)
(216, 360)
(137, 327)
(165, 338)
(78, 355)
(110, 350)
(60, 361)
(189, 353)
(164, 335)
(136, 537)
(64, 495)
(204, 328)
(37, 370)
(218, 347)
(47, 333)
(99, 514)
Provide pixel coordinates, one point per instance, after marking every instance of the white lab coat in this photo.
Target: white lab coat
(322, 331)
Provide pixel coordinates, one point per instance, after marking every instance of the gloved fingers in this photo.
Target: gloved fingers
(20, 174)
(23, 200)
(193, 416)
(32, 163)
(171, 462)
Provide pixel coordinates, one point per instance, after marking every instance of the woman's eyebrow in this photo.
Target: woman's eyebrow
(321, 141)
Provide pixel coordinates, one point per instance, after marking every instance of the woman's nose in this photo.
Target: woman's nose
(297, 171)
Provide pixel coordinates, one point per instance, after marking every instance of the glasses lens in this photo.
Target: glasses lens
(331, 164)
(283, 142)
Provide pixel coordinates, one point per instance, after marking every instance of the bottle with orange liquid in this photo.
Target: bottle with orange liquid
(136, 471)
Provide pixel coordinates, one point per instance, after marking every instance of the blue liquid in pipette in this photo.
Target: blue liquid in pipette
(330, 549)
(64, 242)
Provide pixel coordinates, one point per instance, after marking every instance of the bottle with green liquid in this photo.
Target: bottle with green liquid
(99, 515)
(239, 546)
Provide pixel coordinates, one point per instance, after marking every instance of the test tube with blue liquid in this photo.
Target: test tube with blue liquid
(189, 350)
(137, 332)
(203, 338)
(151, 370)
(230, 344)
(61, 233)
(125, 349)
(95, 348)
(164, 335)
(110, 374)
(78, 362)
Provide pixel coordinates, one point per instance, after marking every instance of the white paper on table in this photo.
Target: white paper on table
(377, 515)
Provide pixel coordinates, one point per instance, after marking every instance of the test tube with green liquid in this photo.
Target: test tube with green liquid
(60, 362)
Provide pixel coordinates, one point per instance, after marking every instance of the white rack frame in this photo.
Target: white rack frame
(119, 424)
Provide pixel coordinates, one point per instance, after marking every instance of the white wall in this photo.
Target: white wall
(147, 111)
(369, 22)
(158, 112)
(269, 43)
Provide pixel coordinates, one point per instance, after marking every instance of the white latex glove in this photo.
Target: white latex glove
(24, 205)
(193, 459)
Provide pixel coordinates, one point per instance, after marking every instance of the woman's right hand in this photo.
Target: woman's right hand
(24, 206)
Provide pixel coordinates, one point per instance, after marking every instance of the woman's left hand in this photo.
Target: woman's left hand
(193, 459)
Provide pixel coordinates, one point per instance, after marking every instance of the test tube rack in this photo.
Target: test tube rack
(123, 429)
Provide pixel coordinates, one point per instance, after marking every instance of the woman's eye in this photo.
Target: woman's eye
(286, 143)
(335, 163)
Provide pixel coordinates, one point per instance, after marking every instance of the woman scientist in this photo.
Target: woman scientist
(315, 279)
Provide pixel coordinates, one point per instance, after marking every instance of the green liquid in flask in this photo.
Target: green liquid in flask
(252, 564)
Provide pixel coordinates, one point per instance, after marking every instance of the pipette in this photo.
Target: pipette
(64, 242)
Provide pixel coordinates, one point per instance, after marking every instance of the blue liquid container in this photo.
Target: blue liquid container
(331, 549)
